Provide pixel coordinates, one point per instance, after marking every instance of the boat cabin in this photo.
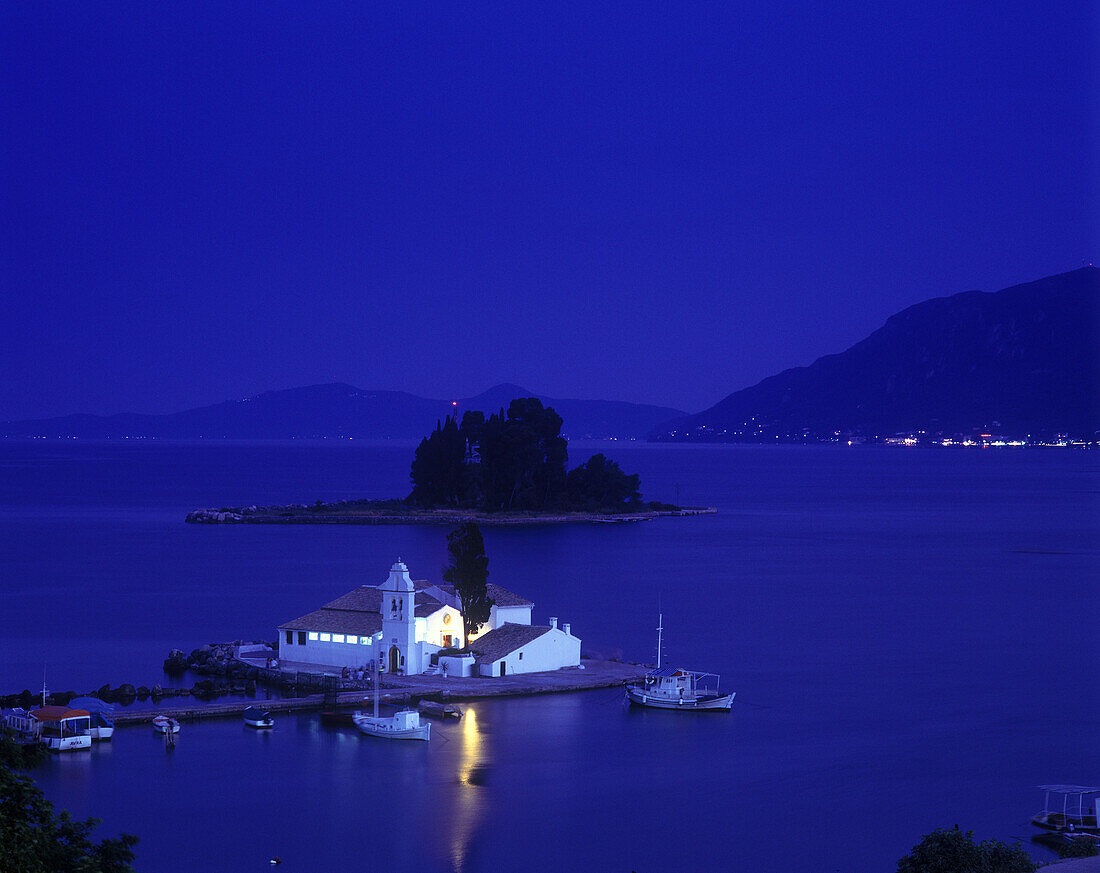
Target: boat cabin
(63, 729)
(676, 682)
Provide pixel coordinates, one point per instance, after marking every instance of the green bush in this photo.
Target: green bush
(954, 851)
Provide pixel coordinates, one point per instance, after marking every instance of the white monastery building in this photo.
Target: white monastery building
(402, 624)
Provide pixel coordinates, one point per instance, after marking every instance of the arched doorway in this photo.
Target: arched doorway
(395, 659)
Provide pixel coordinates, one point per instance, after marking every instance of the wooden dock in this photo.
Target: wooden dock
(596, 674)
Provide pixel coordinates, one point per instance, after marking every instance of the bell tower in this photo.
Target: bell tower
(399, 652)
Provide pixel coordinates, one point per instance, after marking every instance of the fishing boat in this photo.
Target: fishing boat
(403, 725)
(165, 724)
(1072, 816)
(676, 688)
(62, 728)
(679, 689)
(257, 718)
(101, 716)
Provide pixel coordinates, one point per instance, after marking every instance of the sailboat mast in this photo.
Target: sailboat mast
(375, 663)
(660, 627)
(43, 684)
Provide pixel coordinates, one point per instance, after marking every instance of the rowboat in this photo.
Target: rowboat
(165, 724)
(257, 718)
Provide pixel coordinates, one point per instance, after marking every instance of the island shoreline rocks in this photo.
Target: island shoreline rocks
(324, 514)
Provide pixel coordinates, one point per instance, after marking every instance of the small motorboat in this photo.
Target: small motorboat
(257, 718)
(436, 709)
(165, 724)
(1071, 817)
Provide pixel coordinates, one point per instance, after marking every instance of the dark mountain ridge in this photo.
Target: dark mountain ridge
(1020, 361)
(341, 411)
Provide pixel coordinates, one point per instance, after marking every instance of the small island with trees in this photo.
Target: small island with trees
(509, 468)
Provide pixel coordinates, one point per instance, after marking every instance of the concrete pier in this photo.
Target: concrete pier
(596, 674)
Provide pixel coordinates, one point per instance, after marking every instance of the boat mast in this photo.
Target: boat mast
(43, 684)
(660, 627)
(374, 664)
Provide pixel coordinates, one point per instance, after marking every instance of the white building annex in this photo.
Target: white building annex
(402, 623)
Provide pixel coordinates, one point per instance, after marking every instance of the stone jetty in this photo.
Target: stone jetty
(411, 689)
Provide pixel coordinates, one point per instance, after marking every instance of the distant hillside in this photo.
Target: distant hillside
(1022, 360)
(338, 410)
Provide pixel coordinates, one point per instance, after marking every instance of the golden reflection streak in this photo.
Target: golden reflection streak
(467, 801)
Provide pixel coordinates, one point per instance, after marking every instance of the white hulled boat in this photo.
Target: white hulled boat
(676, 688)
(101, 716)
(165, 724)
(63, 729)
(404, 725)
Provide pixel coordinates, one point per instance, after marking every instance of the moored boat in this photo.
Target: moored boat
(101, 716)
(675, 688)
(1073, 816)
(404, 725)
(165, 724)
(258, 718)
(437, 709)
(62, 728)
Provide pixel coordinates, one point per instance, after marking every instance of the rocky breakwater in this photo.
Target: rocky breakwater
(124, 695)
(219, 662)
(213, 516)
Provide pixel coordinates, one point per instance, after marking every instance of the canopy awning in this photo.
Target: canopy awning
(1069, 789)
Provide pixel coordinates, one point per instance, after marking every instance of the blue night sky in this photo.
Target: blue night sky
(651, 202)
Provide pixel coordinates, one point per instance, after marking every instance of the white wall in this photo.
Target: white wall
(551, 651)
(500, 615)
(437, 624)
(328, 653)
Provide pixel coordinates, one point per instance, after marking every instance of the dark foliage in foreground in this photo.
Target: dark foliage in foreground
(514, 461)
(954, 851)
(35, 840)
(1082, 847)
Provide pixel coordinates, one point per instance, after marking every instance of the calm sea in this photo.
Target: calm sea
(912, 635)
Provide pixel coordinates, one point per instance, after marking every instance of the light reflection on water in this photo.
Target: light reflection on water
(468, 806)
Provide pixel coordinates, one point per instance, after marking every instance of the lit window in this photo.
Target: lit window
(364, 641)
(353, 640)
(337, 638)
(313, 635)
(325, 638)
